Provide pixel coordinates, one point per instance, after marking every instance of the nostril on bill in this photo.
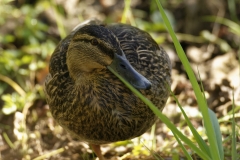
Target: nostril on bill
(123, 66)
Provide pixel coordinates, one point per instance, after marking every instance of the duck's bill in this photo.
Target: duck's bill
(122, 66)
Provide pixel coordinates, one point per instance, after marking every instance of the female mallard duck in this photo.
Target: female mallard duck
(89, 101)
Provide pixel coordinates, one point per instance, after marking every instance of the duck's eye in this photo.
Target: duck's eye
(94, 42)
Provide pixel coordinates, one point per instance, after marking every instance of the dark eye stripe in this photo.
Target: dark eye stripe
(106, 50)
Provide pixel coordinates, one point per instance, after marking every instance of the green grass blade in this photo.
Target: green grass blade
(202, 144)
(234, 149)
(183, 148)
(153, 137)
(13, 84)
(235, 27)
(163, 118)
(217, 131)
(214, 122)
(126, 11)
(200, 99)
(7, 139)
(232, 9)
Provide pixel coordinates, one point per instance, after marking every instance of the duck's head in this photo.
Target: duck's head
(96, 47)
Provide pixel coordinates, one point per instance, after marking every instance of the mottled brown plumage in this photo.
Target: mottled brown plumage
(87, 100)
